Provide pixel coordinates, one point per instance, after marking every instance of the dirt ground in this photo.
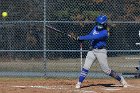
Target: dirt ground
(42, 85)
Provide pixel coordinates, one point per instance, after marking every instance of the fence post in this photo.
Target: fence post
(44, 26)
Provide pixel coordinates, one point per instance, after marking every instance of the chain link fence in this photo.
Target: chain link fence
(29, 45)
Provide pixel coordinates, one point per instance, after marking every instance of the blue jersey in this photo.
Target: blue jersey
(97, 38)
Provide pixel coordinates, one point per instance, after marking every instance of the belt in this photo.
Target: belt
(100, 48)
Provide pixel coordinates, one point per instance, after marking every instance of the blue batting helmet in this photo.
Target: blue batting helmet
(101, 19)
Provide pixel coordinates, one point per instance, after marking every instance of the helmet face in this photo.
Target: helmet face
(101, 19)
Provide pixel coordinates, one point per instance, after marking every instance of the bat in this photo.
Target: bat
(70, 35)
(58, 31)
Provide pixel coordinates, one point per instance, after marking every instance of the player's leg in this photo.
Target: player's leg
(102, 58)
(101, 55)
(88, 62)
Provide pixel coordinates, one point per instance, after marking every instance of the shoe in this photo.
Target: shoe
(78, 85)
(123, 82)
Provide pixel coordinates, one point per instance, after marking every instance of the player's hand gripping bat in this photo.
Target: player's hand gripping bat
(56, 30)
(72, 35)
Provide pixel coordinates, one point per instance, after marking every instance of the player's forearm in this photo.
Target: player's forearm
(99, 37)
(93, 37)
(86, 37)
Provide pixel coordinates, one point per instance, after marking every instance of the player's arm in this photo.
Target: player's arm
(90, 36)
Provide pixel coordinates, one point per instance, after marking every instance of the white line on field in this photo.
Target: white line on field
(45, 87)
(20, 86)
(54, 87)
(89, 91)
(85, 91)
(112, 89)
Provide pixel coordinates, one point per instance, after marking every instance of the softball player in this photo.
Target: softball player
(98, 37)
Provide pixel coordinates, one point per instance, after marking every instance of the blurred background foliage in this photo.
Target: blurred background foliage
(116, 10)
(72, 10)
(30, 33)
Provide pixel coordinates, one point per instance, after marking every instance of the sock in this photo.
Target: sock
(83, 75)
(115, 75)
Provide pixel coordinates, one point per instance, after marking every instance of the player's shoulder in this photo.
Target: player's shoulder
(106, 32)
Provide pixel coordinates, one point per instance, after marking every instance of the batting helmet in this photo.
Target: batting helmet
(101, 19)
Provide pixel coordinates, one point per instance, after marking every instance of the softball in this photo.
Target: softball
(4, 14)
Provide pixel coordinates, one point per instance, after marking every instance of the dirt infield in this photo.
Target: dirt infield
(41, 85)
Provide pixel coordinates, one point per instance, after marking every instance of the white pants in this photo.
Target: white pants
(101, 55)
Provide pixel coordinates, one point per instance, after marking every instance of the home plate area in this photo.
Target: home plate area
(23, 85)
(90, 89)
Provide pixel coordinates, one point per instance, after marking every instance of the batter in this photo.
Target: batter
(98, 37)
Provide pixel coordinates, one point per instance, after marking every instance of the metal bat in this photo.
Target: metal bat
(58, 31)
